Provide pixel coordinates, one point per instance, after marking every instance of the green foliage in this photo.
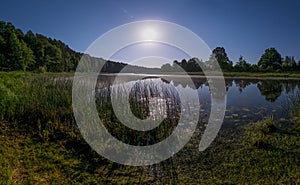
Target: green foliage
(32, 51)
(271, 58)
(270, 62)
(242, 65)
(166, 67)
(289, 64)
(42, 69)
(27, 57)
(9, 99)
(40, 144)
(44, 101)
(14, 53)
(189, 66)
(222, 58)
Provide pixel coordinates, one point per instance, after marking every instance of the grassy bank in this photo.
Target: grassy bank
(248, 74)
(40, 144)
(266, 74)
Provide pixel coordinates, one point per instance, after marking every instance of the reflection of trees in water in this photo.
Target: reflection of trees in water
(290, 86)
(228, 84)
(242, 84)
(270, 89)
(198, 82)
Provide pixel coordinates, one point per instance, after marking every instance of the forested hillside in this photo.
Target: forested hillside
(34, 52)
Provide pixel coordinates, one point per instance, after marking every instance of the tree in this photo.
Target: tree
(19, 55)
(14, 53)
(176, 66)
(189, 66)
(254, 68)
(33, 51)
(53, 58)
(2, 48)
(242, 62)
(271, 59)
(289, 64)
(184, 64)
(242, 65)
(222, 58)
(211, 63)
(193, 66)
(27, 57)
(166, 67)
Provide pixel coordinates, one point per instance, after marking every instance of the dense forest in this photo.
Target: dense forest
(35, 52)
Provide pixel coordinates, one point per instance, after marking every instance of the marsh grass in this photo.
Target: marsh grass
(249, 154)
(41, 103)
(294, 113)
(141, 95)
(40, 144)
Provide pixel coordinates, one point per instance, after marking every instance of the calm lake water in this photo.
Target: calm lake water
(251, 100)
(248, 100)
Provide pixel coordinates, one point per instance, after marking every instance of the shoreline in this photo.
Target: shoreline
(226, 75)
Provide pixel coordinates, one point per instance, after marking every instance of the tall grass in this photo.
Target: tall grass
(141, 95)
(41, 103)
(50, 150)
(295, 110)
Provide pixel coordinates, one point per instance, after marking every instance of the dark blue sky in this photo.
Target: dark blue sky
(243, 27)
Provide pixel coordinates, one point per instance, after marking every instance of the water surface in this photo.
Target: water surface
(248, 100)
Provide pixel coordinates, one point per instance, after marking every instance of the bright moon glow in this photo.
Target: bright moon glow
(149, 33)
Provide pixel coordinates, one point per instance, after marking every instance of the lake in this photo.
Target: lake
(248, 99)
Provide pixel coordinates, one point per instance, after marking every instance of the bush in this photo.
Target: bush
(266, 126)
(42, 69)
(258, 133)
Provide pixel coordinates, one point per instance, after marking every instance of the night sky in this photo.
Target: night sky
(243, 27)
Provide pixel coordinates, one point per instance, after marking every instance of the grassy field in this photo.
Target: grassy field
(40, 144)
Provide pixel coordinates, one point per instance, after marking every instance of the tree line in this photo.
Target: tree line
(35, 52)
(270, 61)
